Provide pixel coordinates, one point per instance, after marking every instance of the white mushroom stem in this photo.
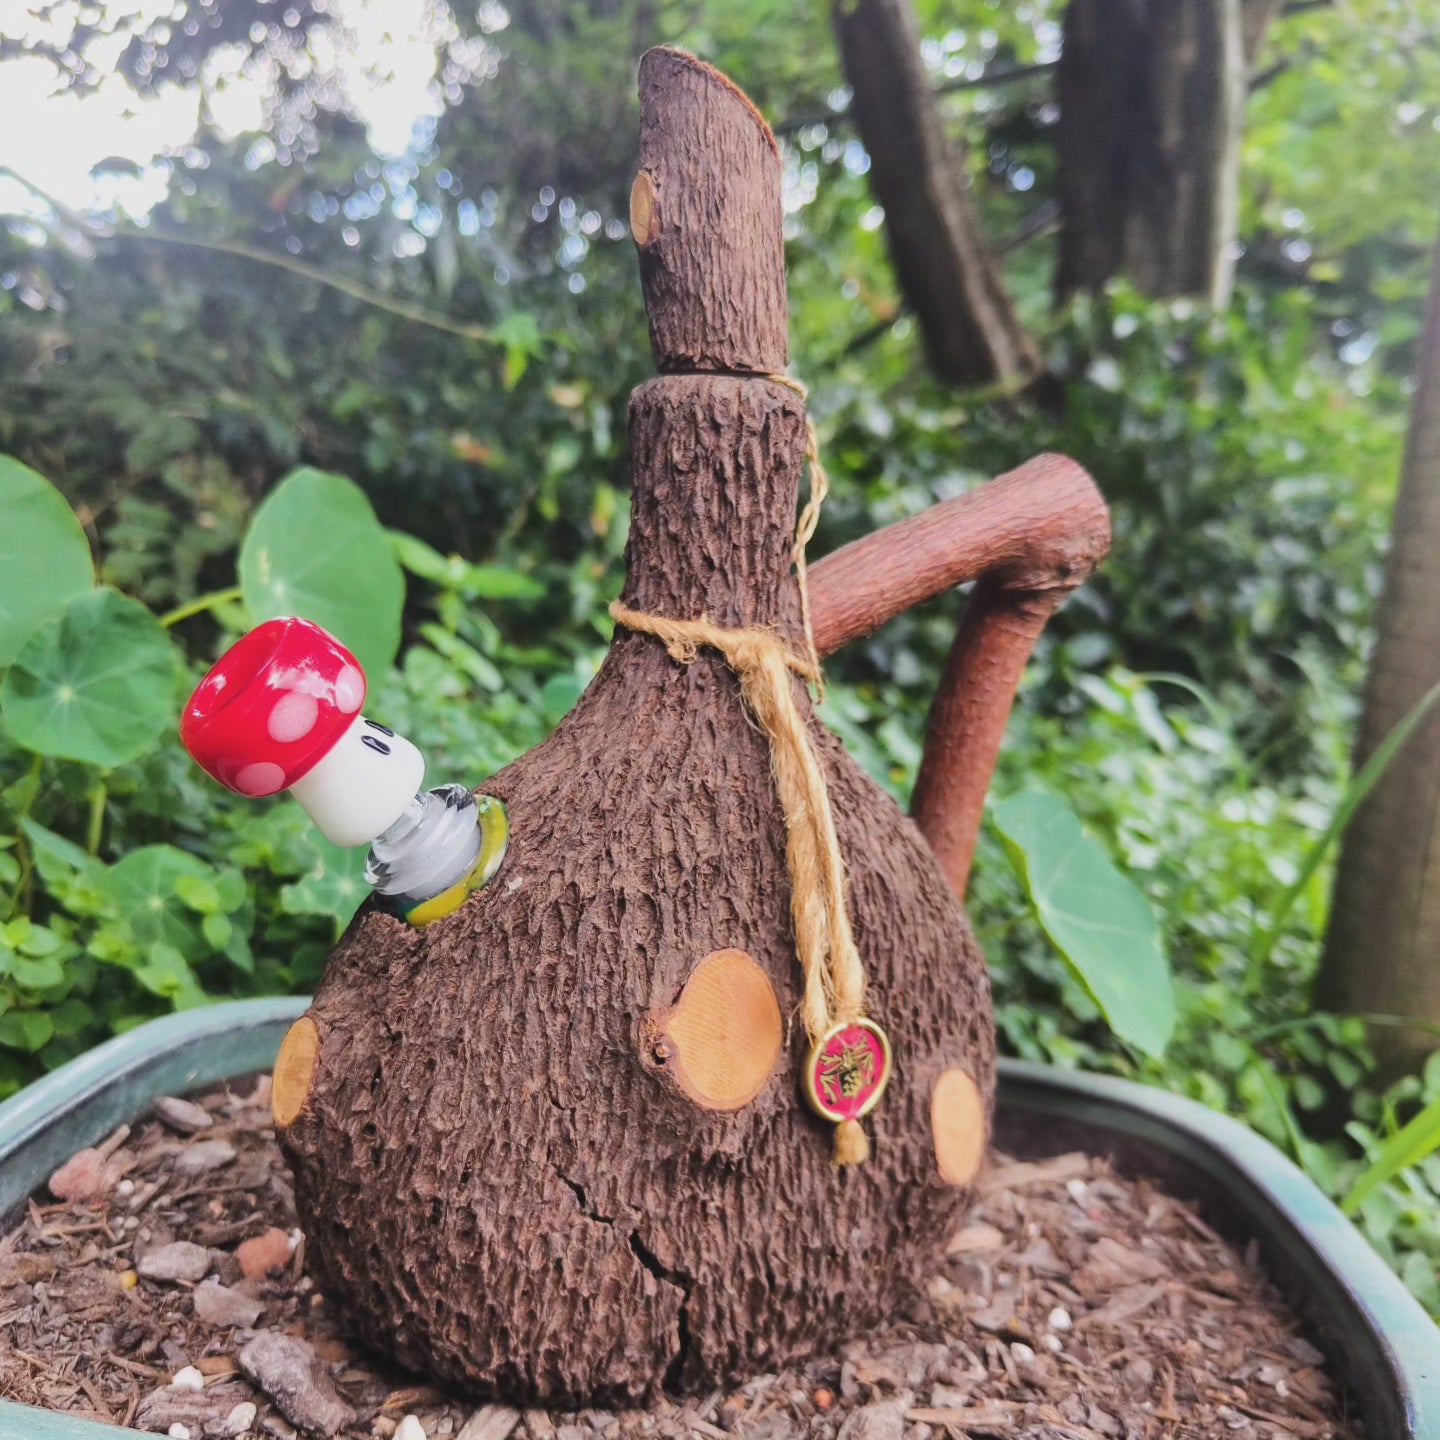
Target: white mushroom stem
(363, 785)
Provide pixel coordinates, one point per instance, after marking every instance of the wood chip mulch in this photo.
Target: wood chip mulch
(169, 1294)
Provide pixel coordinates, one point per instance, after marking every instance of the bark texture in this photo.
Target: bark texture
(1152, 96)
(712, 252)
(971, 331)
(500, 1177)
(1382, 953)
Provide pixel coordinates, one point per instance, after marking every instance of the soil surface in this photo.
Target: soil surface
(169, 1293)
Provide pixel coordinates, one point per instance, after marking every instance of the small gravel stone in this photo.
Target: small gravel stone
(183, 1115)
(206, 1155)
(188, 1378)
(180, 1260)
(875, 1422)
(240, 1419)
(410, 1428)
(82, 1176)
(218, 1304)
(1059, 1318)
(1022, 1354)
(178, 1431)
(287, 1370)
(490, 1422)
(264, 1253)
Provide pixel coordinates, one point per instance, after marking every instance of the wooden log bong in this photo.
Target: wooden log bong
(551, 1146)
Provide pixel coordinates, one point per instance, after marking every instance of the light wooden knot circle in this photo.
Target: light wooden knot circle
(957, 1122)
(721, 1039)
(294, 1071)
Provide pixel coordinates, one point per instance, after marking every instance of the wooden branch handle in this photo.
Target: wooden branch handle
(1029, 538)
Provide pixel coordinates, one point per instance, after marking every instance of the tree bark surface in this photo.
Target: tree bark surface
(1382, 952)
(1152, 96)
(971, 331)
(501, 1178)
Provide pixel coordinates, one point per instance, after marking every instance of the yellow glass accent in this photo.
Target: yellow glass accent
(494, 840)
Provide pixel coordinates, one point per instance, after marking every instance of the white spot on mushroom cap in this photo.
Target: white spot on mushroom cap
(293, 718)
(349, 690)
(261, 778)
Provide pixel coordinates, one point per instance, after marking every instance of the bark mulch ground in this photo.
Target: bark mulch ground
(169, 1294)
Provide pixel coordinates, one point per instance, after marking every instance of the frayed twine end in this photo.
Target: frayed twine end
(852, 1145)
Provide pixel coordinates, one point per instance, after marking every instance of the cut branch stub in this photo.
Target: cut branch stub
(721, 1039)
(705, 211)
(957, 1121)
(294, 1071)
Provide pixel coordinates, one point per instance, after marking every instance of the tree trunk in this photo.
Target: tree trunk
(971, 331)
(1152, 96)
(1382, 953)
(552, 1146)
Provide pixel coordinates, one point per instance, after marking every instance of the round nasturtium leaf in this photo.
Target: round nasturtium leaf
(44, 555)
(96, 683)
(316, 550)
(147, 887)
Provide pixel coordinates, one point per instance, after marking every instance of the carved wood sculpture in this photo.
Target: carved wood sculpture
(551, 1147)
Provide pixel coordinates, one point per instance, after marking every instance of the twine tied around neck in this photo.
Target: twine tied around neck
(834, 975)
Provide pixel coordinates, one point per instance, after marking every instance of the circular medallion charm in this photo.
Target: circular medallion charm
(847, 1070)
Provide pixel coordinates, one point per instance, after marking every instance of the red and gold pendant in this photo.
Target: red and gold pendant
(847, 1070)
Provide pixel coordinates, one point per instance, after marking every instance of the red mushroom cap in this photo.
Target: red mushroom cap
(273, 706)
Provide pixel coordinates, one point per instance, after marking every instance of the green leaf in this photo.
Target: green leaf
(26, 1030)
(559, 694)
(44, 973)
(498, 582)
(1409, 1146)
(97, 683)
(145, 890)
(334, 885)
(1099, 922)
(315, 549)
(520, 335)
(55, 849)
(451, 572)
(166, 972)
(44, 555)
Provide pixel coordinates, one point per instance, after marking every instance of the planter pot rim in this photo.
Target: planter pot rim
(1382, 1342)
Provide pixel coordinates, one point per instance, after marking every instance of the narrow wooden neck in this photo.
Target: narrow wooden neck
(716, 462)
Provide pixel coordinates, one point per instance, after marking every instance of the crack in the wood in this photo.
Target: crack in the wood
(680, 1279)
(578, 1190)
(685, 1283)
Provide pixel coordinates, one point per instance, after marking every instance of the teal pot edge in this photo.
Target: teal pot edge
(1378, 1336)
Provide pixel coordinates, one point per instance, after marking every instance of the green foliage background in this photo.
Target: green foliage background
(1192, 705)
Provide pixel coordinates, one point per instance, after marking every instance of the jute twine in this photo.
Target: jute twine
(763, 662)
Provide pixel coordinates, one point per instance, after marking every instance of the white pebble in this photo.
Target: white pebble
(1052, 1343)
(178, 1431)
(1059, 1318)
(1077, 1190)
(296, 1236)
(241, 1418)
(125, 1187)
(1022, 1354)
(188, 1379)
(410, 1428)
